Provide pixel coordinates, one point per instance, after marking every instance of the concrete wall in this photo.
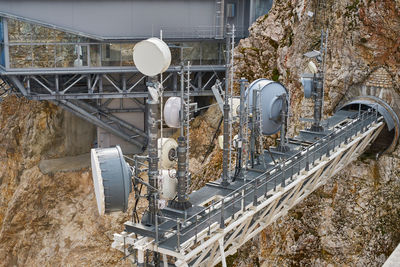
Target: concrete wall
(79, 135)
(105, 139)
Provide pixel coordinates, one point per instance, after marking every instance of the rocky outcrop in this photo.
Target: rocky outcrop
(352, 219)
(48, 220)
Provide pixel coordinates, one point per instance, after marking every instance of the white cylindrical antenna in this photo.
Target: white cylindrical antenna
(152, 56)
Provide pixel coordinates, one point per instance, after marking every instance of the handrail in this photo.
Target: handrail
(301, 160)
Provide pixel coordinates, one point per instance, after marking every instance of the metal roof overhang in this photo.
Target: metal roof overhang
(119, 19)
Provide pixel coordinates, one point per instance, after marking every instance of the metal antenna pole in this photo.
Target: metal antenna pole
(182, 202)
(253, 127)
(187, 115)
(231, 98)
(260, 132)
(161, 107)
(152, 146)
(239, 155)
(225, 155)
(283, 147)
(319, 86)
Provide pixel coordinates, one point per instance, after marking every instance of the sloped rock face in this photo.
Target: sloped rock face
(363, 35)
(48, 220)
(352, 220)
(349, 221)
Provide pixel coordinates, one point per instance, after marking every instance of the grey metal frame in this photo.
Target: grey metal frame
(256, 201)
(128, 83)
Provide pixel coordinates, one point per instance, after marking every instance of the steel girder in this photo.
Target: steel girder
(98, 85)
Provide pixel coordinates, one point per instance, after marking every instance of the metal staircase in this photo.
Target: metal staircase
(103, 119)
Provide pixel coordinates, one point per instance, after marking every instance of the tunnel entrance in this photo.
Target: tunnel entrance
(387, 140)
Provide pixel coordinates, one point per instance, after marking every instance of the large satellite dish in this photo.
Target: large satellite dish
(152, 56)
(271, 103)
(111, 179)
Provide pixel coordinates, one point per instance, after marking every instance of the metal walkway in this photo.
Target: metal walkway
(87, 93)
(224, 218)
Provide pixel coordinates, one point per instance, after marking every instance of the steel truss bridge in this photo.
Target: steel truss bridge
(223, 219)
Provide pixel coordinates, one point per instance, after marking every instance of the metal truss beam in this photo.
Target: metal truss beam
(214, 243)
(74, 89)
(102, 85)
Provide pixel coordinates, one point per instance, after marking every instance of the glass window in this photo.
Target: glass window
(127, 54)
(1, 30)
(65, 56)
(19, 31)
(111, 55)
(261, 7)
(43, 56)
(2, 58)
(42, 34)
(210, 53)
(68, 56)
(95, 56)
(175, 54)
(192, 53)
(20, 56)
(81, 52)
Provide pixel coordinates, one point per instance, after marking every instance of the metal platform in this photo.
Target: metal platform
(224, 218)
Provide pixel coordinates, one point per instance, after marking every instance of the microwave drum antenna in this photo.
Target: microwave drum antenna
(271, 103)
(111, 179)
(151, 56)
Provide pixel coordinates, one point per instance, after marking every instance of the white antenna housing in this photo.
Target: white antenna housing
(171, 112)
(152, 56)
(168, 146)
(167, 184)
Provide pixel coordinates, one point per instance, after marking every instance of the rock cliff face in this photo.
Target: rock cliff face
(48, 220)
(352, 219)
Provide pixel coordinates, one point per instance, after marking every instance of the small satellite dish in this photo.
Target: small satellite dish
(168, 155)
(151, 56)
(271, 103)
(171, 112)
(111, 179)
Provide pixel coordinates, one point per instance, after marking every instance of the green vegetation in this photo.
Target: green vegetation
(354, 6)
(275, 75)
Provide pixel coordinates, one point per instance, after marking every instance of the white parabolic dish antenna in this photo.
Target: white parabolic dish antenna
(152, 56)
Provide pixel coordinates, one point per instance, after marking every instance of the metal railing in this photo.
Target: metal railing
(199, 32)
(267, 181)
